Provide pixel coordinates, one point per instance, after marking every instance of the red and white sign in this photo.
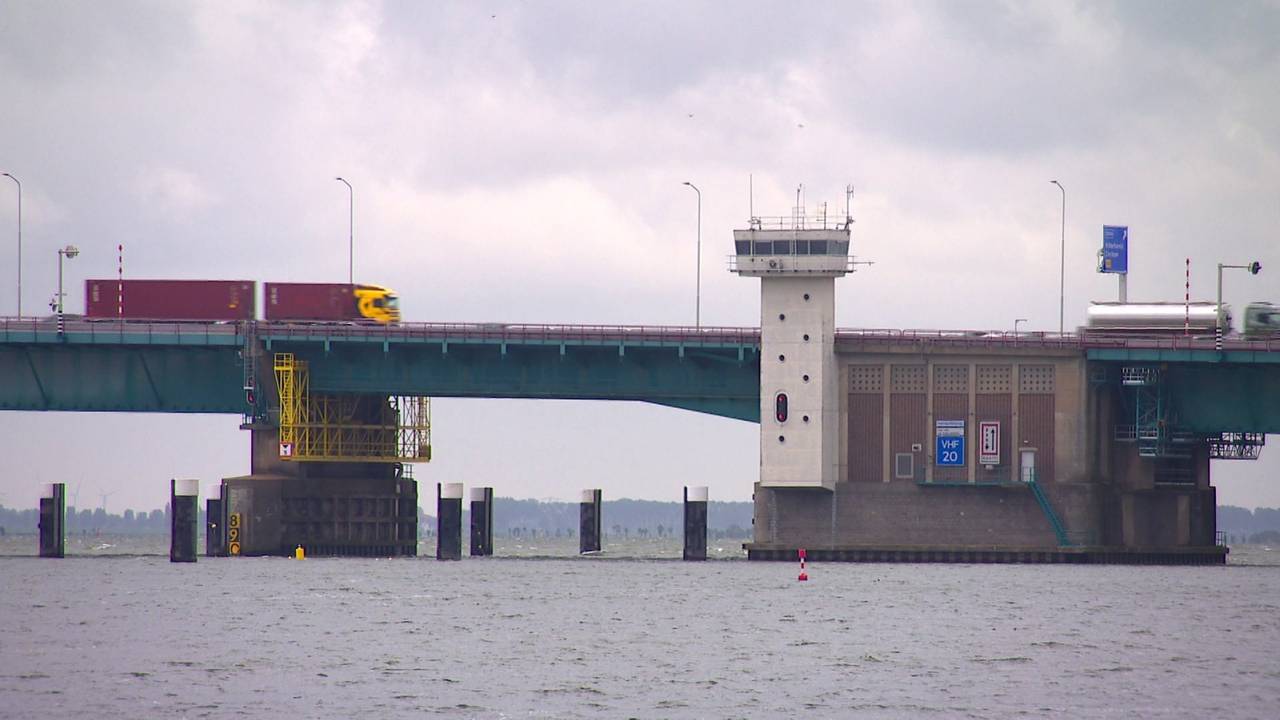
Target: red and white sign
(989, 442)
(286, 450)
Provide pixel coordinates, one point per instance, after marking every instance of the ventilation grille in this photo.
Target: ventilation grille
(866, 378)
(951, 378)
(1036, 379)
(908, 378)
(995, 378)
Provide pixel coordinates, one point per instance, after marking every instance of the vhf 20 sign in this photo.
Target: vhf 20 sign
(949, 435)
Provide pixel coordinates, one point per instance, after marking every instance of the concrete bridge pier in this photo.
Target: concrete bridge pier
(448, 521)
(184, 503)
(695, 523)
(348, 509)
(53, 517)
(589, 521)
(481, 521)
(215, 526)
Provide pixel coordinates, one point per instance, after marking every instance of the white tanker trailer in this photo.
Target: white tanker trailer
(1164, 317)
(1199, 318)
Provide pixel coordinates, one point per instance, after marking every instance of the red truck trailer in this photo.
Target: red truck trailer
(171, 299)
(329, 302)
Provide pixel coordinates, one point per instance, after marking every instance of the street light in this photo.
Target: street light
(19, 242)
(697, 307)
(1254, 268)
(1062, 263)
(69, 251)
(351, 230)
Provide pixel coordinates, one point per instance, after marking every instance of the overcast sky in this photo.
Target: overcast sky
(522, 162)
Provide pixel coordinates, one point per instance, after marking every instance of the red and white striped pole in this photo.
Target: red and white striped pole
(1186, 325)
(803, 575)
(120, 282)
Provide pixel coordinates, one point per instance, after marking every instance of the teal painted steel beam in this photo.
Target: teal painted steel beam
(95, 377)
(707, 381)
(1157, 355)
(1237, 398)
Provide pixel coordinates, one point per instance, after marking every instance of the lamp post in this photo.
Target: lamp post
(19, 242)
(1062, 263)
(69, 251)
(1254, 268)
(351, 230)
(697, 306)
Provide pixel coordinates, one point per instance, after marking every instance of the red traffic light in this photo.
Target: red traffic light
(780, 407)
(249, 396)
(1255, 268)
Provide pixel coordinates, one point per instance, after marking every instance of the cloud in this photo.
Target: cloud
(172, 193)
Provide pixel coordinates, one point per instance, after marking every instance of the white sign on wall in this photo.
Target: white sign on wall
(989, 442)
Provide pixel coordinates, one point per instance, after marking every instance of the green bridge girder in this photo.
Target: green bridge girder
(196, 367)
(190, 367)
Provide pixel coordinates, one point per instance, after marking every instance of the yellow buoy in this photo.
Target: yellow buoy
(299, 553)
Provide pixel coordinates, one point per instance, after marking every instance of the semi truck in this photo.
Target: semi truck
(232, 300)
(330, 302)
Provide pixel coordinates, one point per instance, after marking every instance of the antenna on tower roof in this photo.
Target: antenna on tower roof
(848, 204)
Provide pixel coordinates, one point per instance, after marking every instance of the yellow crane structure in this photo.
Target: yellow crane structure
(342, 427)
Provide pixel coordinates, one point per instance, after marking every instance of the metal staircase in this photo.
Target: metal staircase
(1059, 530)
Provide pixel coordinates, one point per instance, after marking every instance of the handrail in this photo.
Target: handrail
(1058, 530)
(673, 334)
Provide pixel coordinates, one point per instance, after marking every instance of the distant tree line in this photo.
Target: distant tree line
(1241, 525)
(511, 518)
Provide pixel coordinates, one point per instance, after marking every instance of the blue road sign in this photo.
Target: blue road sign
(1115, 249)
(949, 436)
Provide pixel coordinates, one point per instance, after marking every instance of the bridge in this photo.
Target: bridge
(198, 367)
(1120, 441)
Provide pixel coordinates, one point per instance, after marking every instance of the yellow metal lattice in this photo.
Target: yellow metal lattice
(348, 428)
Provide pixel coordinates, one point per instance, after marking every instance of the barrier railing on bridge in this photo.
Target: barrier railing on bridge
(183, 332)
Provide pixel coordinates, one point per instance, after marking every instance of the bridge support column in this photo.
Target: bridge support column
(184, 503)
(53, 517)
(481, 521)
(215, 531)
(448, 521)
(589, 521)
(695, 523)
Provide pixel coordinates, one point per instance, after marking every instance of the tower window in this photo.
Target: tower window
(806, 297)
(782, 316)
(782, 438)
(806, 337)
(782, 358)
(806, 378)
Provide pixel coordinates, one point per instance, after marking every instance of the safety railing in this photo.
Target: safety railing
(107, 331)
(801, 219)
(515, 333)
(43, 329)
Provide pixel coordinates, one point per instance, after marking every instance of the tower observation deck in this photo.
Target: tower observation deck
(797, 259)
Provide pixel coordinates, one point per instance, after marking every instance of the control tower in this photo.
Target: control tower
(797, 259)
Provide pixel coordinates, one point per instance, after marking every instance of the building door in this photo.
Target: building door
(1027, 464)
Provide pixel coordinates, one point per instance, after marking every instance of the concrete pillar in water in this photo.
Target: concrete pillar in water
(215, 528)
(482, 521)
(695, 523)
(589, 521)
(448, 521)
(184, 513)
(53, 518)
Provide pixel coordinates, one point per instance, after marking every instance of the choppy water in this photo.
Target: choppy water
(125, 635)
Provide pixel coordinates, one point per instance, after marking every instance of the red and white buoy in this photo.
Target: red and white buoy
(803, 575)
